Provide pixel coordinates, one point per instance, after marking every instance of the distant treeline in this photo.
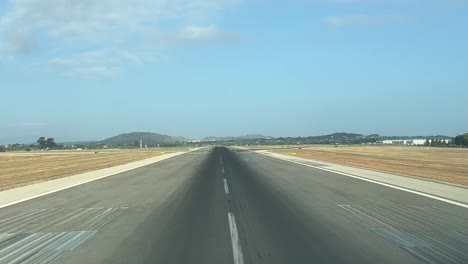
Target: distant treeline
(461, 140)
(44, 143)
(348, 139)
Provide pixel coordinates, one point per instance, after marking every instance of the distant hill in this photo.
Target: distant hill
(150, 139)
(244, 137)
(335, 138)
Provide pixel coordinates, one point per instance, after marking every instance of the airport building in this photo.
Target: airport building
(412, 142)
(415, 142)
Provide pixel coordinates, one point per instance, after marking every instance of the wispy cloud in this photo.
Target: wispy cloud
(61, 61)
(62, 25)
(392, 1)
(192, 34)
(95, 72)
(202, 34)
(364, 20)
(104, 56)
(96, 64)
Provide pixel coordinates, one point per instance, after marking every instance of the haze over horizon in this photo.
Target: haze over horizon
(33, 139)
(81, 70)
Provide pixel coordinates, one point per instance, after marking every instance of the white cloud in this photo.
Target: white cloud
(90, 64)
(193, 34)
(208, 33)
(61, 61)
(95, 72)
(30, 26)
(94, 21)
(134, 58)
(364, 20)
(443, 2)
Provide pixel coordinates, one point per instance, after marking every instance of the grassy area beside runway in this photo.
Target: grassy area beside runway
(24, 168)
(442, 164)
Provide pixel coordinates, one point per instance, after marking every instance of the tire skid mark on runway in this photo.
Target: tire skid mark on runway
(17, 221)
(22, 214)
(452, 213)
(20, 226)
(363, 215)
(411, 228)
(106, 218)
(43, 235)
(59, 219)
(43, 247)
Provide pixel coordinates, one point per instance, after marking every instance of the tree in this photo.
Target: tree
(50, 143)
(42, 142)
(2, 149)
(427, 143)
(461, 140)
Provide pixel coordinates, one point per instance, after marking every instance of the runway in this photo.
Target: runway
(222, 206)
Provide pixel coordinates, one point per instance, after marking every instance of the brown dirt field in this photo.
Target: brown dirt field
(24, 168)
(443, 164)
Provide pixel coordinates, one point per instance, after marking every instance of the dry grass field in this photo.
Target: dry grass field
(23, 168)
(449, 165)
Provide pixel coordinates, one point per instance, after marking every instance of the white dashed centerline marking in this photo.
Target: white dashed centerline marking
(226, 188)
(236, 247)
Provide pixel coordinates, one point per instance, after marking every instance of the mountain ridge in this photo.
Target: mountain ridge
(148, 138)
(243, 137)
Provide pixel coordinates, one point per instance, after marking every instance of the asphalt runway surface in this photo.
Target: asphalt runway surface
(223, 206)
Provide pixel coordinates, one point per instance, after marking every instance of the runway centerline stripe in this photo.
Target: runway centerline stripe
(226, 187)
(236, 247)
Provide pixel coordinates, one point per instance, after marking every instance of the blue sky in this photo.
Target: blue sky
(87, 70)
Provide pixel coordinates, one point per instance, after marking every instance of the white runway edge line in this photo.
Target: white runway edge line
(226, 188)
(86, 181)
(373, 181)
(236, 247)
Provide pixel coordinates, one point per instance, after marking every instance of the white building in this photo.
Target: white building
(413, 142)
